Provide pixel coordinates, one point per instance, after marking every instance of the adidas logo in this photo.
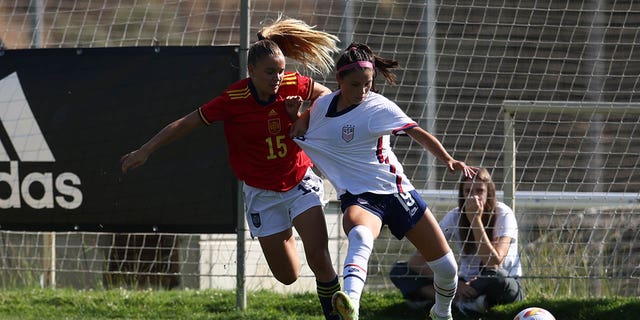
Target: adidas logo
(28, 142)
(353, 270)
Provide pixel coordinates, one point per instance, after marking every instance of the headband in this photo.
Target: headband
(361, 64)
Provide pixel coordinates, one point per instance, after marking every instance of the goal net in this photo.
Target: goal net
(542, 93)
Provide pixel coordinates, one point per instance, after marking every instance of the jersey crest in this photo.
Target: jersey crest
(274, 125)
(255, 219)
(347, 132)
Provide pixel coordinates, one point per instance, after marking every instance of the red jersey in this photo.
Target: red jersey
(260, 150)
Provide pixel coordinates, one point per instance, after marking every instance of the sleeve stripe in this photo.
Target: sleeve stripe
(311, 85)
(202, 117)
(405, 127)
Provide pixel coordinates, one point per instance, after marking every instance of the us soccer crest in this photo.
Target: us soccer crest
(347, 132)
(274, 125)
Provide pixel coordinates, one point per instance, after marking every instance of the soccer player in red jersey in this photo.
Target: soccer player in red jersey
(281, 191)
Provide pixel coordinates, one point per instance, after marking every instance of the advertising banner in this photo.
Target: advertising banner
(68, 115)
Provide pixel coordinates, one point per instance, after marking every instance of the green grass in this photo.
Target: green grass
(215, 304)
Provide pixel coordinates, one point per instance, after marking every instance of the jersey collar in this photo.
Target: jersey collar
(333, 112)
(254, 93)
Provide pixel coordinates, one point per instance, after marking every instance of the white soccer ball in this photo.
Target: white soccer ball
(534, 313)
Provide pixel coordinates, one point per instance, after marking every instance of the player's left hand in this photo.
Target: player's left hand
(467, 171)
(298, 129)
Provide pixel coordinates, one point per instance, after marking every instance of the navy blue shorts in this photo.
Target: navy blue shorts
(399, 211)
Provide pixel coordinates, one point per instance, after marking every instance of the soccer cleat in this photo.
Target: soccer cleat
(343, 306)
(471, 307)
(434, 316)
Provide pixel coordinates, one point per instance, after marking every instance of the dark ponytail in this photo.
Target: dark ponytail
(357, 52)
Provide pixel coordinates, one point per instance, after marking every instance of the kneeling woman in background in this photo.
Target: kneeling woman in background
(486, 234)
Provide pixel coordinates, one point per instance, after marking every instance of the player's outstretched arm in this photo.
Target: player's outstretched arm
(319, 90)
(168, 134)
(431, 143)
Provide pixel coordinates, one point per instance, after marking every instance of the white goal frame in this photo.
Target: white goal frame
(574, 200)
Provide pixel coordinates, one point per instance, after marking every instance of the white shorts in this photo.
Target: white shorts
(270, 212)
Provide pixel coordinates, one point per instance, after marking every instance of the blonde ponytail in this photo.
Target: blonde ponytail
(299, 41)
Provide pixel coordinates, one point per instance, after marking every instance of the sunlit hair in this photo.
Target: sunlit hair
(469, 244)
(356, 52)
(262, 48)
(296, 40)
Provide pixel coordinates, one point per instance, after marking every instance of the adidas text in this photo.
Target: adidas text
(61, 190)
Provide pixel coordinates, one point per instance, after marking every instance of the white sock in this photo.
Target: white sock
(356, 262)
(445, 282)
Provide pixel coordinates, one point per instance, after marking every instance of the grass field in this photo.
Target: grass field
(210, 304)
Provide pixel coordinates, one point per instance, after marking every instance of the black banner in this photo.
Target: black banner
(68, 115)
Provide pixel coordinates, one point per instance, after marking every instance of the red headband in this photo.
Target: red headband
(361, 64)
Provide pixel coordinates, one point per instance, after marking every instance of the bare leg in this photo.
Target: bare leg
(280, 252)
(312, 228)
(427, 237)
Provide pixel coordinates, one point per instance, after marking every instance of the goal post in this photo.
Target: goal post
(569, 172)
(576, 200)
(547, 199)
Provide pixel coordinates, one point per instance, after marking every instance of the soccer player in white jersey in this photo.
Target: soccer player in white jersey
(347, 137)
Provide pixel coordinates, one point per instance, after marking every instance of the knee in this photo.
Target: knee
(361, 237)
(288, 281)
(444, 267)
(286, 275)
(286, 278)
(408, 282)
(500, 277)
(399, 268)
(449, 270)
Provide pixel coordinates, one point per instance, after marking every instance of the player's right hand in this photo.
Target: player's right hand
(298, 129)
(292, 105)
(132, 160)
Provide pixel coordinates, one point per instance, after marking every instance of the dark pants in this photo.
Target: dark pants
(407, 281)
(496, 284)
(498, 287)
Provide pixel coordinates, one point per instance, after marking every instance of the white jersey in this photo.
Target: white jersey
(505, 225)
(351, 147)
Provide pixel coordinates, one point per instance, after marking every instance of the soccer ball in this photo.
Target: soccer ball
(534, 313)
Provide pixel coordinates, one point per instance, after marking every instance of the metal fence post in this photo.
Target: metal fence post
(241, 294)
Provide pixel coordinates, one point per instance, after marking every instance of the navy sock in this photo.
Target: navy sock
(325, 292)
